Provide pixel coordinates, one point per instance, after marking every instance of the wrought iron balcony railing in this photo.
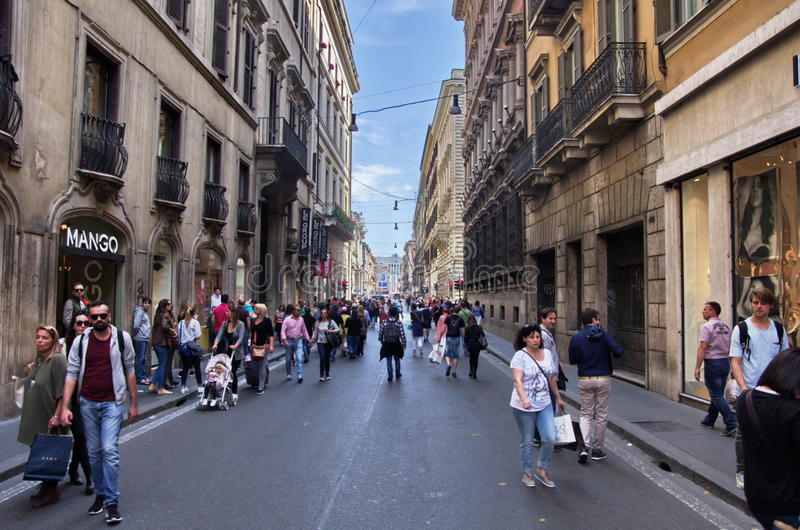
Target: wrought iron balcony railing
(556, 126)
(276, 132)
(102, 149)
(525, 159)
(215, 205)
(171, 183)
(618, 70)
(246, 218)
(10, 103)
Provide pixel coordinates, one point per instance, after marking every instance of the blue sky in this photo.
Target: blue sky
(400, 43)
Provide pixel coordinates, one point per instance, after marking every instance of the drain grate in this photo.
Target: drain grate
(662, 426)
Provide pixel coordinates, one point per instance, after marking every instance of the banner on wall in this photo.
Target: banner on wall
(315, 226)
(305, 231)
(323, 243)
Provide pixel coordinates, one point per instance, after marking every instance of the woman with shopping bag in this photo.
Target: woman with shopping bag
(44, 386)
(534, 377)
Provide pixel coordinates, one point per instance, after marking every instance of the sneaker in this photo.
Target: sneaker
(299, 380)
(184, 390)
(528, 481)
(399, 376)
(112, 514)
(288, 377)
(389, 378)
(537, 443)
(728, 431)
(97, 506)
(740, 480)
(328, 378)
(235, 396)
(321, 379)
(598, 454)
(706, 425)
(200, 390)
(583, 457)
(259, 391)
(544, 478)
(447, 372)
(455, 376)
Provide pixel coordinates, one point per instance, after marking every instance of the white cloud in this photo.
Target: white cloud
(406, 6)
(388, 179)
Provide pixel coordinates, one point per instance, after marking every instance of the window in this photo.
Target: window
(249, 85)
(615, 22)
(502, 312)
(296, 12)
(569, 65)
(169, 132)
(177, 11)
(304, 29)
(219, 48)
(546, 280)
(244, 181)
(575, 284)
(6, 22)
(672, 14)
(516, 313)
(540, 101)
(100, 86)
(274, 90)
(491, 311)
(213, 161)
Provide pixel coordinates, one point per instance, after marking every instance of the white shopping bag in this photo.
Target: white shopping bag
(436, 354)
(564, 434)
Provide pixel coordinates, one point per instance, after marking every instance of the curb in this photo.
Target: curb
(665, 455)
(16, 464)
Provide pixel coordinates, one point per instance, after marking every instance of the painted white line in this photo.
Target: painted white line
(649, 471)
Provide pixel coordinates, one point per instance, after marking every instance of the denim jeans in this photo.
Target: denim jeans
(140, 348)
(452, 347)
(396, 365)
(306, 351)
(768, 520)
(526, 422)
(715, 373)
(352, 344)
(102, 422)
(162, 353)
(294, 350)
(323, 348)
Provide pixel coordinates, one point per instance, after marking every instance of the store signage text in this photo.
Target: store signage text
(87, 240)
(305, 230)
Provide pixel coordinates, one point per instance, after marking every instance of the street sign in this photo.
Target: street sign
(315, 226)
(305, 231)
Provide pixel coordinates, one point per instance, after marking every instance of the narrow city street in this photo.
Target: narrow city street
(361, 452)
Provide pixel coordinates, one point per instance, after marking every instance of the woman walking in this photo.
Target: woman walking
(324, 328)
(44, 386)
(365, 325)
(353, 325)
(472, 344)
(392, 337)
(769, 420)
(280, 315)
(188, 333)
(263, 344)
(416, 330)
(231, 335)
(534, 379)
(163, 333)
(477, 312)
(80, 455)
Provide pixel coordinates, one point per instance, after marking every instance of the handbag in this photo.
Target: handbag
(334, 339)
(258, 352)
(49, 457)
(189, 348)
(435, 356)
(19, 390)
(561, 381)
(482, 342)
(564, 432)
(732, 391)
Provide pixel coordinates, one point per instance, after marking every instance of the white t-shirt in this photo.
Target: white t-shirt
(764, 346)
(535, 384)
(191, 333)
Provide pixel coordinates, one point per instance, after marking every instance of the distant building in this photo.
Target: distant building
(387, 274)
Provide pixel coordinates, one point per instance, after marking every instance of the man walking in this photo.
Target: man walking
(591, 349)
(220, 313)
(140, 333)
(73, 304)
(455, 337)
(100, 365)
(715, 345)
(216, 298)
(293, 332)
(754, 343)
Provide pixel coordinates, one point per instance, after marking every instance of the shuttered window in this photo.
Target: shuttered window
(577, 55)
(5, 27)
(249, 70)
(562, 76)
(663, 15)
(219, 52)
(177, 11)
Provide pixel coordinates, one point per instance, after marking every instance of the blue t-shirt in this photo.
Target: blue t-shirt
(764, 346)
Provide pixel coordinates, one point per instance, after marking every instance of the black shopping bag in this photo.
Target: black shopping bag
(49, 457)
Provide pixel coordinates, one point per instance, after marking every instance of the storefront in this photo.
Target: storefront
(208, 273)
(91, 252)
(764, 236)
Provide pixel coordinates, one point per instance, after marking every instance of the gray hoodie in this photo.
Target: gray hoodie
(121, 362)
(140, 330)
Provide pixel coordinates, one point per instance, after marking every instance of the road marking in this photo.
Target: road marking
(326, 512)
(649, 471)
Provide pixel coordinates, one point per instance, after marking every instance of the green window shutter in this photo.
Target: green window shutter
(663, 15)
(219, 53)
(562, 76)
(577, 50)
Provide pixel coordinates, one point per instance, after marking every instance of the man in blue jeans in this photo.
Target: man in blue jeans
(715, 343)
(293, 333)
(102, 370)
(140, 333)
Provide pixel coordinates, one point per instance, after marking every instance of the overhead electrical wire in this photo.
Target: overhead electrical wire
(365, 16)
(398, 89)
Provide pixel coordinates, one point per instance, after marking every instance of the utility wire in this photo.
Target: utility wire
(398, 89)
(365, 16)
(381, 192)
(401, 157)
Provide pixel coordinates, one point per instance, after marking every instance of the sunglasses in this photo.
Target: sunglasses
(101, 316)
(78, 290)
(82, 323)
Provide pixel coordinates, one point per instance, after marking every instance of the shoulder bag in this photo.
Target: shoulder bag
(334, 339)
(482, 342)
(258, 352)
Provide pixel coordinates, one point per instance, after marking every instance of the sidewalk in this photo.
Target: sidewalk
(666, 430)
(13, 454)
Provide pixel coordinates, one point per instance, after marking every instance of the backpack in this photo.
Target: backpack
(391, 332)
(120, 340)
(453, 325)
(744, 335)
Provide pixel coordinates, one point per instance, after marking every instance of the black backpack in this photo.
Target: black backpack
(391, 332)
(453, 325)
(120, 343)
(744, 336)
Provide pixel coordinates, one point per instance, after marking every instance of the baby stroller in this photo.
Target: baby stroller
(218, 390)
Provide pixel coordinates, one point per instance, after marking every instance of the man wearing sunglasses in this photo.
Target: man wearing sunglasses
(76, 302)
(100, 365)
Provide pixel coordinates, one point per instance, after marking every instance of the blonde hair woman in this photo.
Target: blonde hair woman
(263, 343)
(42, 401)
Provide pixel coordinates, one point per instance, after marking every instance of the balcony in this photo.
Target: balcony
(102, 149)
(556, 148)
(215, 205)
(545, 15)
(246, 218)
(339, 223)
(291, 241)
(10, 104)
(609, 92)
(275, 137)
(172, 188)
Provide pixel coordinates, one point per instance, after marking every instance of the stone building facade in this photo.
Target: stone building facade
(441, 195)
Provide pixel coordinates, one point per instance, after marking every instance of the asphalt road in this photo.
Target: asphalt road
(360, 452)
